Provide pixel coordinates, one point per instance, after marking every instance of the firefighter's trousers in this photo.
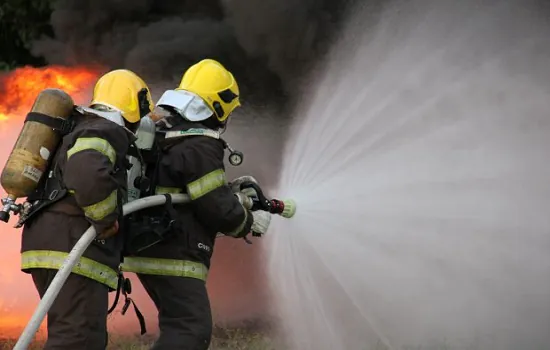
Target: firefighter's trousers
(184, 315)
(78, 316)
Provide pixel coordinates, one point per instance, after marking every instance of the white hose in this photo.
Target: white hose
(80, 247)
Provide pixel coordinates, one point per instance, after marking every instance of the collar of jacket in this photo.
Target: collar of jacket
(114, 117)
(184, 129)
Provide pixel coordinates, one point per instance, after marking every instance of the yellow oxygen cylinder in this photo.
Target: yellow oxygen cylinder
(31, 153)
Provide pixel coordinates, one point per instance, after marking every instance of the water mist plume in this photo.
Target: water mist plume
(422, 177)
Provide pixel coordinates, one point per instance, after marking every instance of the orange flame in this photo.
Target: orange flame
(19, 88)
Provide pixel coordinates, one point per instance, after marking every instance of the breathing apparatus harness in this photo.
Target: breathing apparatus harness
(125, 287)
(51, 189)
(146, 230)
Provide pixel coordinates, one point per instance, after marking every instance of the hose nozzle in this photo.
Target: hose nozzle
(286, 208)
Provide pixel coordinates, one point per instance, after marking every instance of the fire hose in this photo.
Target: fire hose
(286, 208)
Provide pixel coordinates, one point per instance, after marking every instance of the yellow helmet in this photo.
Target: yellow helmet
(214, 84)
(124, 91)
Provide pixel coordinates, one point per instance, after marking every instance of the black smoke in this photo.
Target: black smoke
(270, 45)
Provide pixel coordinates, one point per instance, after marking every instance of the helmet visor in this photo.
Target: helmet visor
(189, 105)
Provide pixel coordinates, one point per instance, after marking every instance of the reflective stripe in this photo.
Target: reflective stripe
(163, 190)
(207, 183)
(239, 229)
(49, 259)
(193, 132)
(103, 208)
(95, 143)
(165, 267)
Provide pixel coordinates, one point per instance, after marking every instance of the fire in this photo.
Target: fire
(19, 88)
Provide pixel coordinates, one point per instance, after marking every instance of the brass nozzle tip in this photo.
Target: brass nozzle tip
(290, 208)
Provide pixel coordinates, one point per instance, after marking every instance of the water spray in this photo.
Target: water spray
(420, 161)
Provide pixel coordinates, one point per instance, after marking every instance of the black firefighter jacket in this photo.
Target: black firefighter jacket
(92, 161)
(193, 165)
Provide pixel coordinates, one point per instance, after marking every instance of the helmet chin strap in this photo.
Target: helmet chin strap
(222, 129)
(110, 114)
(223, 126)
(164, 123)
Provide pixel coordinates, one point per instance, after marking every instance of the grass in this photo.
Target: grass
(223, 339)
(248, 336)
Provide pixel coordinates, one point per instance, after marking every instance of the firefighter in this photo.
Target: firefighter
(173, 271)
(87, 187)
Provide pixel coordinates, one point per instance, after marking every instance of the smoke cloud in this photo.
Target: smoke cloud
(270, 45)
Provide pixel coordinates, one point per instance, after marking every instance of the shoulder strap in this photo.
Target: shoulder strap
(152, 159)
(63, 126)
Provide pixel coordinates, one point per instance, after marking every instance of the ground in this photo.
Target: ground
(224, 339)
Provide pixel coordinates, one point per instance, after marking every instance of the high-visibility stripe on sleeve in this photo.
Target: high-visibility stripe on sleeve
(206, 184)
(93, 143)
(165, 267)
(103, 208)
(165, 190)
(49, 259)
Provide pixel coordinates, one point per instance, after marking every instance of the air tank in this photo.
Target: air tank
(32, 151)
